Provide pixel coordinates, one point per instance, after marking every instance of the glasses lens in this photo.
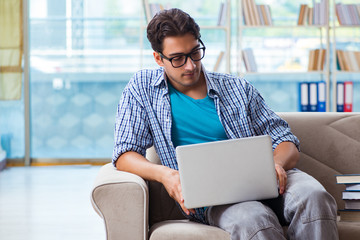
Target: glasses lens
(178, 61)
(197, 55)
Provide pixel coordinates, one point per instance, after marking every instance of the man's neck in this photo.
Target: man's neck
(197, 91)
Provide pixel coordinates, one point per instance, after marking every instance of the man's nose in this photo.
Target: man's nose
(190, 64)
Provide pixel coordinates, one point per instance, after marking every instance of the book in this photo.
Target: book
(311, 60)
(321, 96)
(348, 96)
(316, 59)
(352, 204)
(349, 215)
(352, 187)
(268, 14)
(339, 96)
(304, 96)
(301, 18)
(310, 16)
(357, 53)
(254, 13)
(218, 61)
(347, 178)
(249, 60)
(222, 14)
(246, 11)
(321, 60)
(351, 195)
(313, 96)
(340, 59)
(353, 61)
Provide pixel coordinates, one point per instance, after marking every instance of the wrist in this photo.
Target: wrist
(164, 173)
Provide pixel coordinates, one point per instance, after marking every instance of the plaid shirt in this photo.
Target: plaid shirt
(144, 118)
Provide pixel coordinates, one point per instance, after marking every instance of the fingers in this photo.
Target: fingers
(173, 187)
(282, 178)
(182, 205)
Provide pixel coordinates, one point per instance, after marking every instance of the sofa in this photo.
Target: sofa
(135, 209)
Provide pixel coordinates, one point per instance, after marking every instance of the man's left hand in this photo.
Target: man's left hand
(281, 177)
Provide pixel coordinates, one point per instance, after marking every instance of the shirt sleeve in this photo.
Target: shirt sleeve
(267, 122)
(131, 129)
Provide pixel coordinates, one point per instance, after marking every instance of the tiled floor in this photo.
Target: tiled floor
(48, 203)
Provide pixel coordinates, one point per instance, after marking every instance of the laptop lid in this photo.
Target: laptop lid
(229, 171)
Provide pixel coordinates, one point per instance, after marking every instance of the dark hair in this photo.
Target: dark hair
(169, 23)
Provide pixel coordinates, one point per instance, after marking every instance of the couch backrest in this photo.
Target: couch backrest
(330, 145)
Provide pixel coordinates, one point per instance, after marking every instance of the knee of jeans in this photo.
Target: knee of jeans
(319, 204)
(258, 225)
(260, 217)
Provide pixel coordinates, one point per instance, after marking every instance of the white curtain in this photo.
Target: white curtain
(11, 49)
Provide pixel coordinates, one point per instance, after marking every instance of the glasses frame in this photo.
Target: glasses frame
(186, 55)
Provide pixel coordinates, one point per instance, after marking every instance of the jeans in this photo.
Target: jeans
(305, 207)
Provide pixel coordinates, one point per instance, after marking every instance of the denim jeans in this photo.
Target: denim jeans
(305, 207)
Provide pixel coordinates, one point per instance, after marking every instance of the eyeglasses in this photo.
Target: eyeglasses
(180, 60)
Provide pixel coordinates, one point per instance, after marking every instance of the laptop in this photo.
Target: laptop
(228, 171)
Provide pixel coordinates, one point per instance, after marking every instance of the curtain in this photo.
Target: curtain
(11, 49)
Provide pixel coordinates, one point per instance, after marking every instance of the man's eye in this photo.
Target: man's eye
(178, 58)
(196, 52)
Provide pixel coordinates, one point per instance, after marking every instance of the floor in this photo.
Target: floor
(38, 203)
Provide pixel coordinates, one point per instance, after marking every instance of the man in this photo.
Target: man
(181, 103)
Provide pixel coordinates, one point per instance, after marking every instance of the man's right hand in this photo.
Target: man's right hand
(171, 182)
(135, 163)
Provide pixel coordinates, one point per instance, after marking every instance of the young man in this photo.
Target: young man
(181, 103)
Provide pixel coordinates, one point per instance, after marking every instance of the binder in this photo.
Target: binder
(313, 96)
(348, 96)
(321, 96)
(340, 97)
(304, 96)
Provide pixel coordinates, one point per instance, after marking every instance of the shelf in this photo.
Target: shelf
(214, 27)
(284, 73)
(346, 72)
(283, 27)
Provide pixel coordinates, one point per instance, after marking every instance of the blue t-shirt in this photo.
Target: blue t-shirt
(194, 120)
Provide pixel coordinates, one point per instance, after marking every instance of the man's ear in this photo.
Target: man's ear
(158, 59)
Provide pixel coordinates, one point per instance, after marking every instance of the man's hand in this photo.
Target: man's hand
(135, 163)
(171, 182)
(281, 177)
(286, 156)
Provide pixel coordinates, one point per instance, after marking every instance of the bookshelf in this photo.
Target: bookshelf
(284, 59)
(217, 58)
(346, 51)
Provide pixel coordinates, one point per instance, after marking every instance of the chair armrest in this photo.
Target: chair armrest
(121, 199)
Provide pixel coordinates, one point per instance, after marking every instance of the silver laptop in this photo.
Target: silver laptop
(228, 171)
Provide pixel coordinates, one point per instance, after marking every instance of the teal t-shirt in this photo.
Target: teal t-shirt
(194, 120)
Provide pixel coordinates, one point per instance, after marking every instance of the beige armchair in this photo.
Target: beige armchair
(134, 209)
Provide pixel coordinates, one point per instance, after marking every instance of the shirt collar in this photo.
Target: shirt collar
(160, 78)
(211, 87)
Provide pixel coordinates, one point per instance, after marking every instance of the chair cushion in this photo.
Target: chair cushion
(186, 230)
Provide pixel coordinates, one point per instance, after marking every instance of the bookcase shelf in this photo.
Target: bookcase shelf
(296, 45)
(343, 39)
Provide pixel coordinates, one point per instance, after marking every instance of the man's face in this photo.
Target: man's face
(188, 75)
